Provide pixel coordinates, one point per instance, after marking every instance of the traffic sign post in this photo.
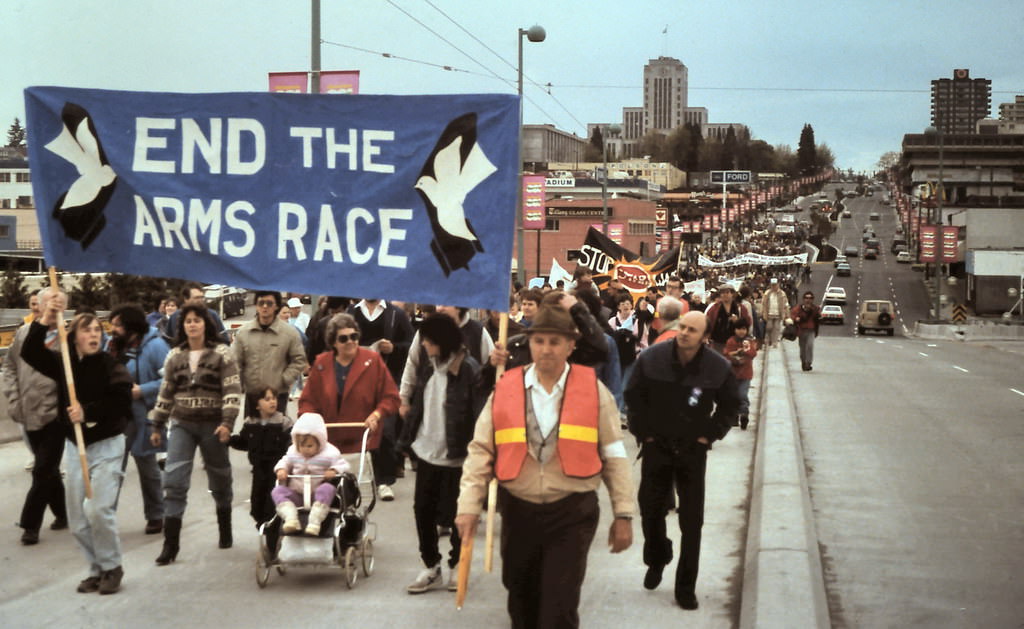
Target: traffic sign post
(726, 177)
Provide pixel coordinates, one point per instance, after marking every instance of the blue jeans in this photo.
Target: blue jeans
(182, 440)
(93, 521)
(806, 340)
(743, 390)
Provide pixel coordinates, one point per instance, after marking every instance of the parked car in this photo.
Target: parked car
(835, 295)
(840, 259)
(843, 269)
(847, 214)
(228, 301)
(851, 252)
(874, 216)
(832, 314)
(870, 253)
(876, 314)
(903, 257)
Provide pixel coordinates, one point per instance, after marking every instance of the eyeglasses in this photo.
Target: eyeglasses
(266, 302)
(345, 338)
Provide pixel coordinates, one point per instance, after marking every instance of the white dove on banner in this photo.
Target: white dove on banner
(455, 167)
(451, 182)
(80, 209)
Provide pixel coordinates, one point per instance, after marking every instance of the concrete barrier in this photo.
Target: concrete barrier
(783, 582)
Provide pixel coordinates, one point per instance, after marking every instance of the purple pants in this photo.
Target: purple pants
(324, 493)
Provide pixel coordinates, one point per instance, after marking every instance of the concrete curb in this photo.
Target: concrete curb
(783, 582)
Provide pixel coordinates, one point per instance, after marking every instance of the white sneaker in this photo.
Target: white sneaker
(385, 493)
(427, 579)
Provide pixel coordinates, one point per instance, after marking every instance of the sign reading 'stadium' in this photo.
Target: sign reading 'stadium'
(398, 197)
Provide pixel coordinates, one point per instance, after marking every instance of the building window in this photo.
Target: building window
(551, 224)
(22, 177)
(573, 255)
(5, 177)
(24, 201)
(5, 204)
(5, 231)
(641, 228)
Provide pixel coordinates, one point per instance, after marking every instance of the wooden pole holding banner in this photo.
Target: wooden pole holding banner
(70, 379)
(466, 550)
(492, 487)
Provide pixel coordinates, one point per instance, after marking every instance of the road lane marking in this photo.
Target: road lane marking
(960, 369)
(923, 354)
(1017, 392)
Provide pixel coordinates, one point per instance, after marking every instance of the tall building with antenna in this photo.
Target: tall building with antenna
(959, 103)
(665, 94)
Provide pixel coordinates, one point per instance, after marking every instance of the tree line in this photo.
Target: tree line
(95, 291)
(687, 149)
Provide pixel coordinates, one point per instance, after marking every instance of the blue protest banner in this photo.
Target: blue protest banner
(395, 197)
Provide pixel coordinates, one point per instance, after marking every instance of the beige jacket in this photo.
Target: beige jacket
(546, 483)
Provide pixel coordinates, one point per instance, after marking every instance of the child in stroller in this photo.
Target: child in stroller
(309, 454)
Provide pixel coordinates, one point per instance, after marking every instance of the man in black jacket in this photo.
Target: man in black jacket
(681, 397)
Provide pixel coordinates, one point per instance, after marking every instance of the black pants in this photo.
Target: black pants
(544, 558)
(47, 488)
(434, 503)
(261, 506)
(384, 458)
(661, 465)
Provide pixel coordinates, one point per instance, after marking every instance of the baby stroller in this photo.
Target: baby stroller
(346, 535)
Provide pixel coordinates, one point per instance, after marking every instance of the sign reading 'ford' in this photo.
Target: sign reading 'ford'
(730, 176)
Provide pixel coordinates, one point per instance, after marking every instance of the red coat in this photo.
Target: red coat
(742, 361)
(369, 387)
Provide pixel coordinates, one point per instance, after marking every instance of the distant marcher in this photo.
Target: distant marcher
(807, 317)
(774, 309)
(741, 350)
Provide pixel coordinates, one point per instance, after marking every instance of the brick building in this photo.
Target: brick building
(630, 223)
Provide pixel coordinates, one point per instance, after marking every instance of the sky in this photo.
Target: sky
(859, 71)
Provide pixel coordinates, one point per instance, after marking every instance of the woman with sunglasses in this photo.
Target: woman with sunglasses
(349, 384)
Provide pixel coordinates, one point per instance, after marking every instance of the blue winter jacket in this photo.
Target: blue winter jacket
(145, 364)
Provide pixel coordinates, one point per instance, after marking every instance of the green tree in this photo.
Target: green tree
(888, 160)
(12, 289)
(656, 145)
(92, 293)
(806, 158)
(16, 135)
(823, 157)
(729, 150)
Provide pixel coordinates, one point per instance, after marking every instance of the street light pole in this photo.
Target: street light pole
(535, 33)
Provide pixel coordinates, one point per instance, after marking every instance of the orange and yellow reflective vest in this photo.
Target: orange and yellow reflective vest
(577, 424)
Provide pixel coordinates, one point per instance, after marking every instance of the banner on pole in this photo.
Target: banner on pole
(608, 260)
(339, 82)
(398, 197)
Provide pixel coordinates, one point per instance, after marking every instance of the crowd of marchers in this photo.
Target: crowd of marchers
(443, 395)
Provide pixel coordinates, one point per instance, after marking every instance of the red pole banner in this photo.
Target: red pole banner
(928, 238)
(533, 202)
(294, 82)
(339, 82)
(950, 241)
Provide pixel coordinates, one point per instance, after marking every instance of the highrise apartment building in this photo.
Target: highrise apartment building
(959, 103)
(665, 84)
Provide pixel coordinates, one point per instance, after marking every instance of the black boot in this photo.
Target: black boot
(744, 420)
(224, 525)
(172, 532)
